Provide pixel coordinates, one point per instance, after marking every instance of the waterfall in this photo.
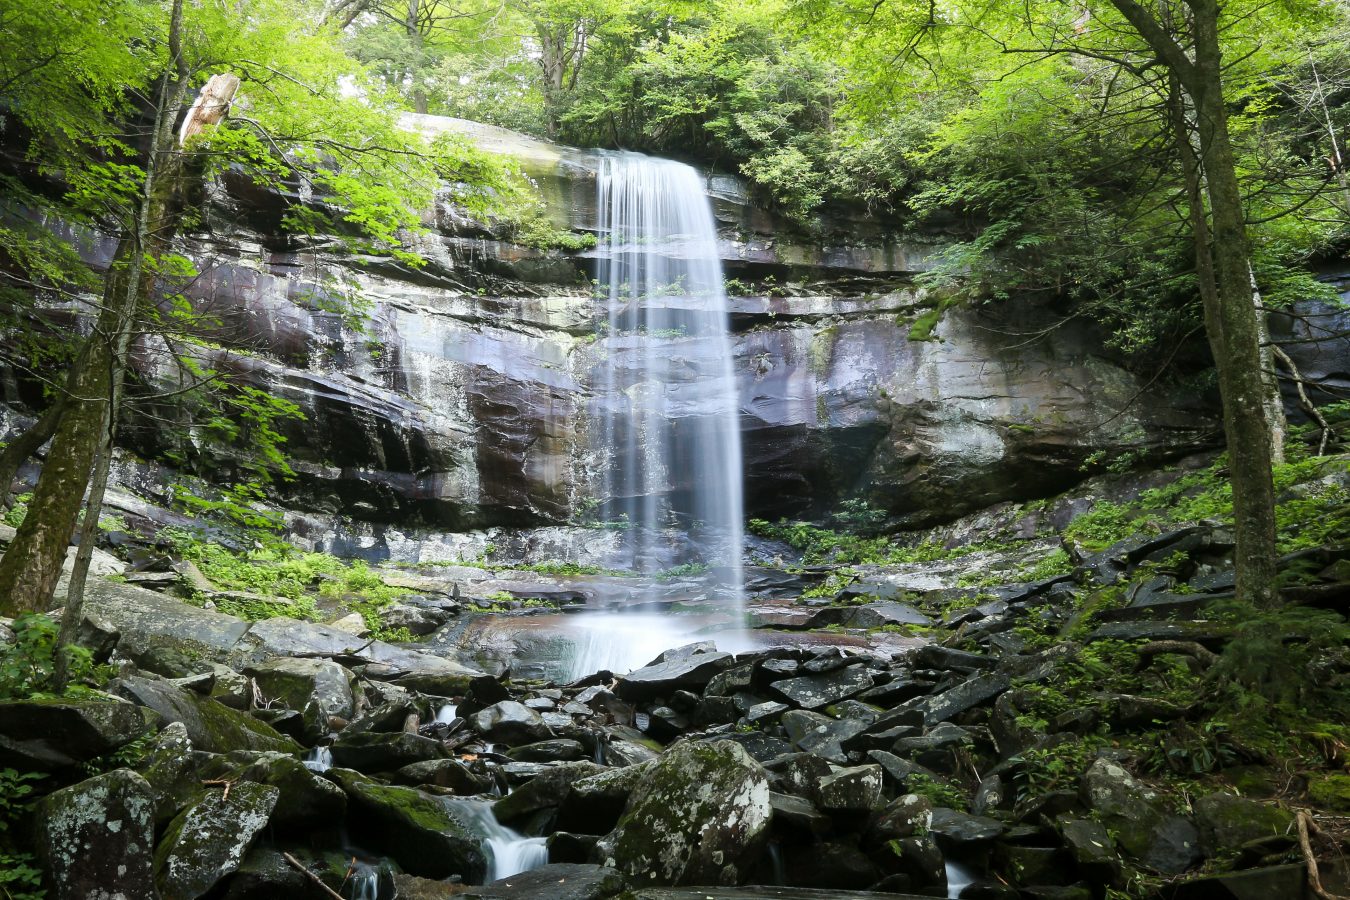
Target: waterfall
(667, 428)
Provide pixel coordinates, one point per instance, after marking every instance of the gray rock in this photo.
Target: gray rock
(1144, 827)
(901, 770)
(374, 751)
(462, 777)
(815, 691)
(594, 804)
(557, 881)
(58, 733)
(422, 833)
(852, 790)
(546, 790)
(319, 689)
(798, 812)
(209, 839)
(957, 829)
(821, 735)
(212, 726)
(558, 750)
(700, 817)
(510, 723)
(97, 838)
(419, 620)
(305, 801)
(1092, 848)
(967, 695)
(692, 672)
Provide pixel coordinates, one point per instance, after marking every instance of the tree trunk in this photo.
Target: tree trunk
(1236, 346)
(415, 39)
(31, 567)
(1271, 398)
(93, 510)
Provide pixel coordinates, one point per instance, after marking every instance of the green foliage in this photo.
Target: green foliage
(20, 876)
(28, 664)
(1309, 508)
(283, 581)
(935, 792)
(15, 514)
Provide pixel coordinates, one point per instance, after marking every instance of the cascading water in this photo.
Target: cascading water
(509, 853)
(668, 419)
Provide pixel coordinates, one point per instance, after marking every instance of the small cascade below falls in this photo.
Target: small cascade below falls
(667, 425)
(319, 760)
(446, 714)
(509, 853)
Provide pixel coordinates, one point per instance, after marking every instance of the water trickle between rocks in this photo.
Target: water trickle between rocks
(667, 425)
(508, 851)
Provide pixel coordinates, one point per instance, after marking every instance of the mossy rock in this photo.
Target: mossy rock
(211, 725)
(58, 732)
(209, 839)
(418, 831)
(1330, 792)
(96, 838)
(700, 817)
(1227, 821)
(306, 801)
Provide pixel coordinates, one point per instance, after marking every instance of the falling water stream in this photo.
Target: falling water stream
(668, 426)
(509, 853)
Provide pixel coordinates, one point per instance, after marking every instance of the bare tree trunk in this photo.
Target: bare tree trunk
(1272, 400)
(31, 567)
(1236, 348)
(93, 510)
(415, 38)
(1230, 317)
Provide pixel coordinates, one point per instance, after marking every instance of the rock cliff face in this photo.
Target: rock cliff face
(467, 401)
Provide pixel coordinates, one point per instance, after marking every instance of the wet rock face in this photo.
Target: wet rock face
(699, 818)
(470, 403)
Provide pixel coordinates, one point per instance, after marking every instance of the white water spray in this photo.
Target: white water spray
(669, 418)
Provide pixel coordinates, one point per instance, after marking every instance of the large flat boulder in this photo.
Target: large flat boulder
(58, 733)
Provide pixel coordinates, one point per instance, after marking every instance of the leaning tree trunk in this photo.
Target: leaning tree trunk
(31, 567)
(1236, 348)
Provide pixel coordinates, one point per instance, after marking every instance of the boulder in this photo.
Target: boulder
(556, 881)
(855, 790)
(462, 777)
(97, 838)
(1092, 848)
(957, 829)
(559, 750)
(700, 817)
(595, 803)
(211, 725)
(1227, 821)
(306, 800)
(510, 723)
(377, 751)
(1144, 827)
(319, 689)
(418, 831)
(546, 790)
(691, 672)
(966, 695)
(208, 840)
(57, 733)
(815, 691)
(818, 734)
